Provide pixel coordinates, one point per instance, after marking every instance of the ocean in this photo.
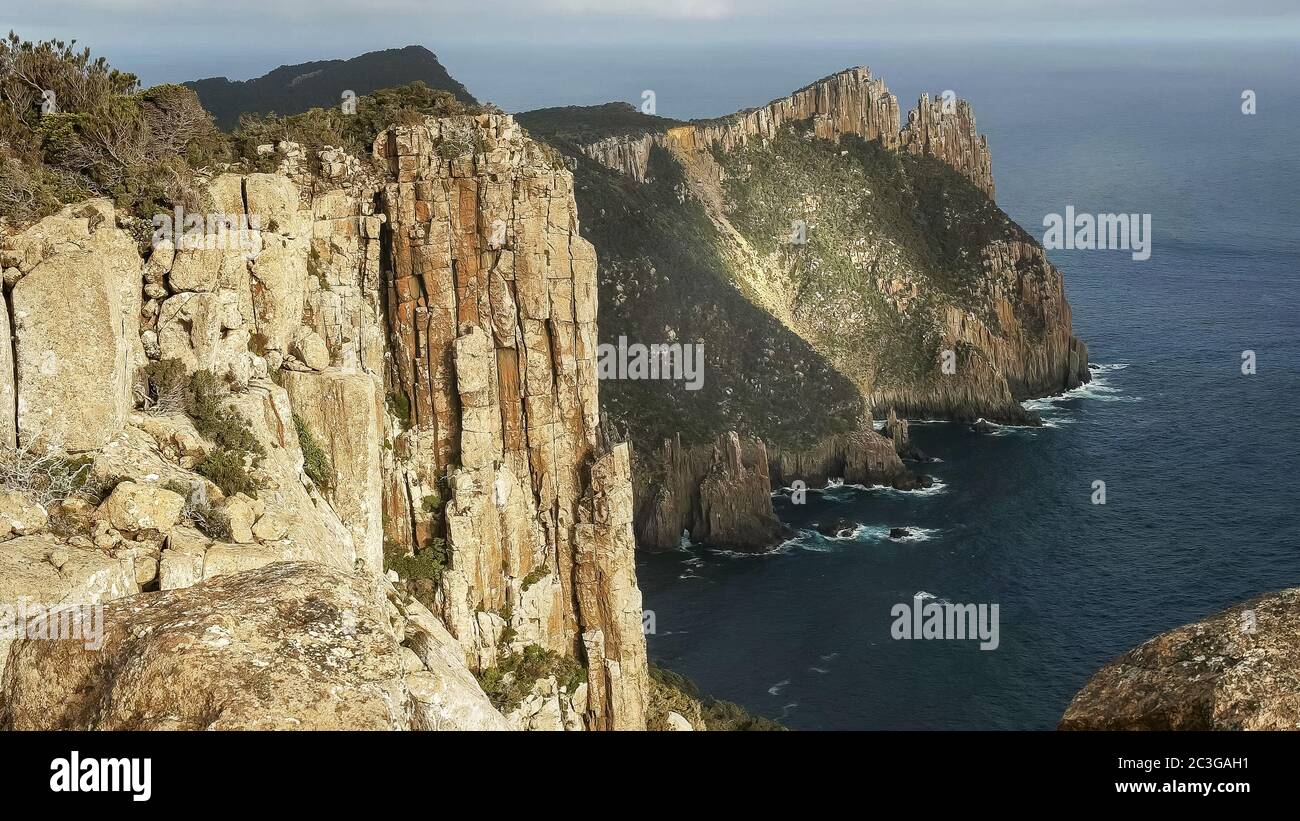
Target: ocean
(1199, 460)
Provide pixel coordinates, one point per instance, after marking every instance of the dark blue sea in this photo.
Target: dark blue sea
(1199, 460)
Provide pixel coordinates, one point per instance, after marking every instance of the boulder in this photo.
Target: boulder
(311, 350)
(677, 722)
(19, 514)
(288, 646)
(40, 572)
(912, 481)
(1236, 670)
(242, 514)
(837, 528)
(132, 508)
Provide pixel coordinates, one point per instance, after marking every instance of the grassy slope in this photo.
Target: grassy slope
(871, 213)
(660, 271)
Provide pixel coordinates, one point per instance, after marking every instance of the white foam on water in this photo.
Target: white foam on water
(776, 689)
(918, 534)
(933, 490)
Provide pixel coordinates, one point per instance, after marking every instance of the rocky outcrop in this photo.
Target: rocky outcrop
(896, 431)
(1236, 670)
(290, 646)
(626, 153)
(482, 327)
(344, 411)
(718, 495)
(73, 378)
(945, 129)
(848, 102)
(40, 573)
(860, 458)
(491, 306)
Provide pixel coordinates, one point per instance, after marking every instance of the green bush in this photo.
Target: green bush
(400, 407)
(207, 403)
(105, 135)
(228, 470)
(536, 575)
(673, 691)
(318, 128)
(316, 464)
(512, 678)
(428, 562)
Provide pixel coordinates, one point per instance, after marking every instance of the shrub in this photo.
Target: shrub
(428, 562)
(46, 476)
(319, 128)
(316, 464)
(400, 407)
(673, 691)
(206, 402)
(512, 678)
(536, 575)
(228, 469)
(105, 135)
(212, 522)
(165, 386)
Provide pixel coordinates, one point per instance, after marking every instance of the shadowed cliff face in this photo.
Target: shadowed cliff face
(871, 254)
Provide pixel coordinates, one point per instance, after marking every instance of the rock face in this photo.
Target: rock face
(448, 404)
(344, 410)
(719, 495)
(74, 378)
(627, 154)
(859, 458)
(40, 572)
(492, 322)
(848, 102)
(875, 244)
(289, 646)
(1236, 670)
(945, 129)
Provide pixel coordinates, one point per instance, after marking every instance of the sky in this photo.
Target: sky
(496, 47)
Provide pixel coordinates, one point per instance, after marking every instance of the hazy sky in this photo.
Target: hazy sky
(178, 40)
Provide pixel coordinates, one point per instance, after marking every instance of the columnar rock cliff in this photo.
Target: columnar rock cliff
(719, 494)
(850, 102)
(392, 359)
(492, 300)
(945, 129)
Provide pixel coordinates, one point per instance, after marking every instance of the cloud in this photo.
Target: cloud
(662, 9)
